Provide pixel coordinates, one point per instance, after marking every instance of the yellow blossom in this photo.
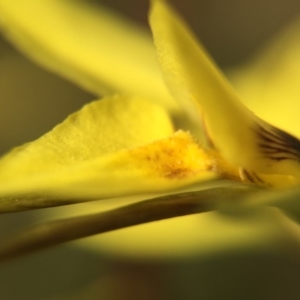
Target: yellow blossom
(147, 136)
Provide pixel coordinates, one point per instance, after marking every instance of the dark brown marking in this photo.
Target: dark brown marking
(277, 144)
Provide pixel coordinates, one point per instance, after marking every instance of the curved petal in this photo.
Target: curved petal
(90, 45)
(113, 147)
(242, 139)
(269, 82)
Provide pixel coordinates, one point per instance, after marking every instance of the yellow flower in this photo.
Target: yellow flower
(142, 140)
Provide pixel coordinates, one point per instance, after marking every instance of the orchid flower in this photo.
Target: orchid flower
(162, 126)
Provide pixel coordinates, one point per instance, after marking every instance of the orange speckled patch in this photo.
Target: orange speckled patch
(176, 157)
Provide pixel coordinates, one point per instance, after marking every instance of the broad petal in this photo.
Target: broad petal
(89, 45)
(113, 147)
(242, 139)
(269, 82)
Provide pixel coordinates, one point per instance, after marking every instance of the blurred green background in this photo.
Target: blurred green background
(33, 101)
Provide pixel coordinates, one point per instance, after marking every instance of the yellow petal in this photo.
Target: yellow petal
(242, 139)
(269, 82)
(113, 147)
(90, 45)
